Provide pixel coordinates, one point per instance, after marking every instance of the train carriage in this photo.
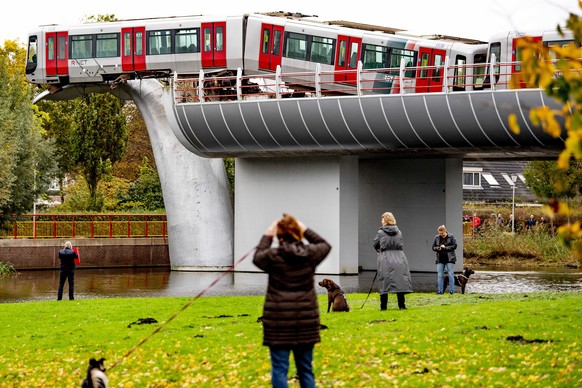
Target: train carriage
(335, 56)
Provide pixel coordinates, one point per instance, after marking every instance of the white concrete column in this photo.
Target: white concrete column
(320, 191)
(196, 191)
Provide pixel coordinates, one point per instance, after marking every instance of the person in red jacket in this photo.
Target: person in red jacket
(67, 256)
(291, 312)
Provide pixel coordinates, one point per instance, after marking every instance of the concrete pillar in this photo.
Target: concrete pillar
(196, 191)
(320, 191)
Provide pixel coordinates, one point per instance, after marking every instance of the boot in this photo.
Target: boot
(383, 301)
(400, 296)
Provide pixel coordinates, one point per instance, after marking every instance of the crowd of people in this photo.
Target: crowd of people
(499, 221)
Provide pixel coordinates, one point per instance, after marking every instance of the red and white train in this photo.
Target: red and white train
(258, 43)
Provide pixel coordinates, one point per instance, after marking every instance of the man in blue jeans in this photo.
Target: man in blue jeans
(444, 245)
(291, 312)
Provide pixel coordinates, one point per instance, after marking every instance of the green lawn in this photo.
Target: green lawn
(472, 340)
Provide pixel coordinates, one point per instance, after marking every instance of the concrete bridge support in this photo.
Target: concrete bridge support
(196, 191)
(343, 198)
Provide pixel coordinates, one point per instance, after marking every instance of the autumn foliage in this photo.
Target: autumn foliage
(558, 70)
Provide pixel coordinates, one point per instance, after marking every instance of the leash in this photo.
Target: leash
(188, 304)
(369, 292)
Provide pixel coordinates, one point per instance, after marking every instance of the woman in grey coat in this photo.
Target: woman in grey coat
(393, 271)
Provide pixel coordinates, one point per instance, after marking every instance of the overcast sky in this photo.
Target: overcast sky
(463, 18)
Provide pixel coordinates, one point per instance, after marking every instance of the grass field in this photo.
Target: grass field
(471, 340)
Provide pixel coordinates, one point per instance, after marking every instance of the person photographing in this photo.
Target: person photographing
(291, 311)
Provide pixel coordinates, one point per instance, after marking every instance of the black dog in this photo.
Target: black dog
(96, 377)
(460, 280)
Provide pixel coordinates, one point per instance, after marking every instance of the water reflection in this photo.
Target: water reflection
(160, 282)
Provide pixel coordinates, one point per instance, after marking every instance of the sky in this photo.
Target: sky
(462, 18)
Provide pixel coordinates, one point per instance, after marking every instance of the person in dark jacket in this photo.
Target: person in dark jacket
(291, 311)
(67, 257)
(393, 271)
(444, 245)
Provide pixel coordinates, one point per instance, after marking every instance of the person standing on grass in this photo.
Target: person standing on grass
(291, 312)
(67, 257)
(393, 270)
(444, 245)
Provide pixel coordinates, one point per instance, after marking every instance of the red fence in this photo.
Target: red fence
(42, 226)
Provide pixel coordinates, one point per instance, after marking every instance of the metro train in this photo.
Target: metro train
(106, 52)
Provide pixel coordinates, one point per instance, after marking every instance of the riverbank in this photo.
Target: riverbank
(217, 342)
(536, 248)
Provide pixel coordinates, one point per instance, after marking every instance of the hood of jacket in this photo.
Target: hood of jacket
(390, 230)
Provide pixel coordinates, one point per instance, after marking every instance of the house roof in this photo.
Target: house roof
(496, 182)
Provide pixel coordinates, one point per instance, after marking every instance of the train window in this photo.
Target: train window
(396, 57)
(51, 48)
(424, 65)
(81, 46)
(127, 44)
(187, 41)
(375, 57)
(355, 55)
(160, 42)
(438, 63)
(460, 73)
(321, 50)
(219, 38)
(296, 46)
(138, 43)
(479, 71)
(277, 43)
(266, 40)
(495, 49)
(207, 40)
(107, 45)
(341, 61)
(62, 47)
(31, 55)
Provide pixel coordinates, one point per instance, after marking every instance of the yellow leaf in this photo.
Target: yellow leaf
(513, 124)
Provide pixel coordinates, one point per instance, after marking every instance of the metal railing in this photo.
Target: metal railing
(45, 226)
(445, 78)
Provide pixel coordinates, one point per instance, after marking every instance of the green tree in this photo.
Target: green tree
(546, 180)
(26, 155)
(99, 138)
(58, 127)
(146, 192)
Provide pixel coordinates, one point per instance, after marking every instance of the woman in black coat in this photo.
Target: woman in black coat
(291, 312)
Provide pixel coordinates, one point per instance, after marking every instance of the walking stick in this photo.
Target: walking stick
(373, 280)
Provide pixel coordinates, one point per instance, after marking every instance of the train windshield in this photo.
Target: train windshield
(31, 55)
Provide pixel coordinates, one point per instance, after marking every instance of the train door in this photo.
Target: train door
(271, 47)
(516, 57)
(57, 53)
(133, 49)
(347, 57)
(214, 44)
(429, 76)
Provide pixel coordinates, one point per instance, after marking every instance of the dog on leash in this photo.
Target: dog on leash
(96, 377)
(461, 279)
(336, 299)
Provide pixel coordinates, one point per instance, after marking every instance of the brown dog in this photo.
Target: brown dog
(460, 280)
(336, 299)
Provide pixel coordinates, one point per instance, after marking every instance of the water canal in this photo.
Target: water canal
(161, 282)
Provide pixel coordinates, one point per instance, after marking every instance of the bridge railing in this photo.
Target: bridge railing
(45, 226)
(446, 78)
